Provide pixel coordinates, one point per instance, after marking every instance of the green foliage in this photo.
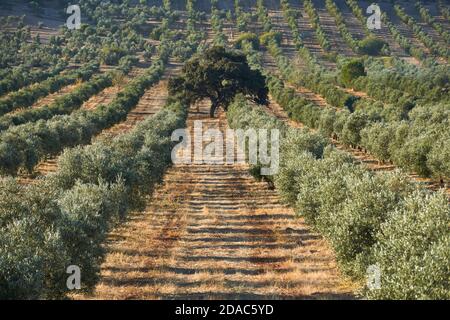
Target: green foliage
(247, 37)
(425, 38)
(414, 138)
(111, 55)
(242, 18)
(266, 38)
(219, 74)
(23, 146)
(315, 21)
(21, 76)
(63, 219)
(358, 12)
(340, 22)
(373, 46)
(412, 250)
(368, 218)
(351, 71)
(25, 97)
(220, 38)
(351, 132)
(404, 42)
(428, 18)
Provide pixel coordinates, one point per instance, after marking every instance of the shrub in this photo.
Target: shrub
(438, 158)
(351, 71)
(372, 46)
(369, 218)
(111, 55)
(412, 250)
(247, 37)
(352, 128)
(266, 38)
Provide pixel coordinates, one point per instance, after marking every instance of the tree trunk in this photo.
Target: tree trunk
(214, 106)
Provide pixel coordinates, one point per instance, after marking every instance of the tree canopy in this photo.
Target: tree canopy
(352, 70)
(219, 74)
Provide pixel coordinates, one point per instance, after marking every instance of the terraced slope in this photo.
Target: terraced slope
(213, 231)
(384, 34)
(411, 10)
(352, 23)
(309, 35)
(402, 27)
(280, 25)
(330, 27)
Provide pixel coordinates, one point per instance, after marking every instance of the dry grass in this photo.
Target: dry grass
(212, 231)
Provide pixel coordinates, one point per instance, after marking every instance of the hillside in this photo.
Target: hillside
(88, 176)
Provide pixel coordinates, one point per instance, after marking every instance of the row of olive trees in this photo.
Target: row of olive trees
(421, 85)
(359, 14)
(112, 31)
(185, 46)
(428, 18)
(26, 97)
(291, 17)
(243, 18)
(217, 17)
(316, 80)
(18, 47)
(370, 45)
(418, 272)
(63, 219)
(443, 9)
(321, 35)
(343, 30)
(402, 86)
(61, 105)
(370, 219)
(424, 37)
(417, 144)
(25, 145)
(421, 149)
(21, 76)
(403, 41)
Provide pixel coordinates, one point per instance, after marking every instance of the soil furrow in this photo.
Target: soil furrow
(209, 232)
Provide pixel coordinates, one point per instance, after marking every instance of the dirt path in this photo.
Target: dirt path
(213, 231)
(150, 103)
